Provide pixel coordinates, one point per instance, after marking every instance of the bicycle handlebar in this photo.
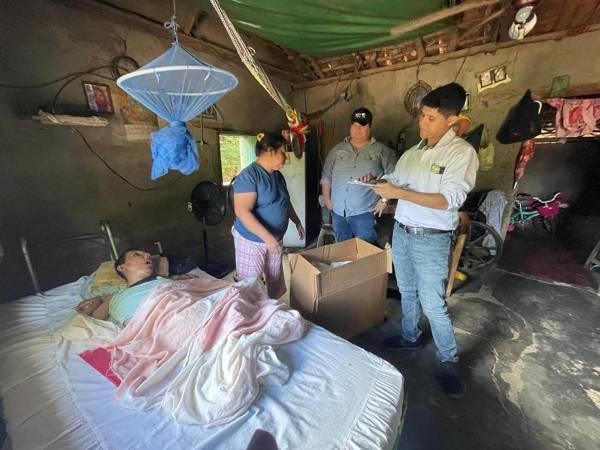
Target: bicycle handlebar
(545, 202)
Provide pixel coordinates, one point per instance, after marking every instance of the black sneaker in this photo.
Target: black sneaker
(451, 381)
(394, 343)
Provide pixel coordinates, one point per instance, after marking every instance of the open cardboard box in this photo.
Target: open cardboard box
(346, 300)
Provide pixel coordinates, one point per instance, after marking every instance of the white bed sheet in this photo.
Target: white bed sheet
(339, 396)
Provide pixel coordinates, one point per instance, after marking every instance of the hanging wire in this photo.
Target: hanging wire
(460, 68)
(117, 174)
(117, 67)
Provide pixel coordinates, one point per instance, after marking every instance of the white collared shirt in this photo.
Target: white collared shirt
(449, 168)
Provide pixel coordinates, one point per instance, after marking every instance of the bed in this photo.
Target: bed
(338, 396)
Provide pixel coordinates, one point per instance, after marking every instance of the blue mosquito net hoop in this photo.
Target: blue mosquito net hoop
(176, 86)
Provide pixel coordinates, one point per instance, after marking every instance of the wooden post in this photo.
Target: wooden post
(463, 233)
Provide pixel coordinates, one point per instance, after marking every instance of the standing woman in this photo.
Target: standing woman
(263, 210)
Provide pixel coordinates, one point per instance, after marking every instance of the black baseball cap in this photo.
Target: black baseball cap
(362, 116)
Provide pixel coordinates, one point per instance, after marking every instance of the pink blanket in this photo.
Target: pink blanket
(182, 322)
(167, 319)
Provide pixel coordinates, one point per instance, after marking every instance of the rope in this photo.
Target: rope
(246, 54)
(298, 127)
(171, 25)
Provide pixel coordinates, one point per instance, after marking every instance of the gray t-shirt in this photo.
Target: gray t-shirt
(345, 164)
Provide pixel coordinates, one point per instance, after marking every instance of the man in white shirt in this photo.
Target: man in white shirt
(431, 181)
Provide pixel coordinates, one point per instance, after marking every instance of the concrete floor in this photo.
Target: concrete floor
(531, 355)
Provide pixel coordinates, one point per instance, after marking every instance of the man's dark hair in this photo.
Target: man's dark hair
(448, 99)
(121, 260)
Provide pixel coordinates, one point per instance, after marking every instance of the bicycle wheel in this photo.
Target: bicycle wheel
(483, 248)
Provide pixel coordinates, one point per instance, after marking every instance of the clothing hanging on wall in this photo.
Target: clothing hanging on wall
(575, 117)
(493, 208)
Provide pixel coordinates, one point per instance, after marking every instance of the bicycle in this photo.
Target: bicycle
(483, 245)
(529, 209)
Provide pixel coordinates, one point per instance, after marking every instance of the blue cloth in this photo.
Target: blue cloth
(421, 266)
(361, 226)
(173, 147)
(123, 305)
(272, 201)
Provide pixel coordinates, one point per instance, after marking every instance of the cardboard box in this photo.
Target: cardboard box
(346, 300)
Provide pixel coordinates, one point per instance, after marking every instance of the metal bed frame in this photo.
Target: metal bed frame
(105, 234)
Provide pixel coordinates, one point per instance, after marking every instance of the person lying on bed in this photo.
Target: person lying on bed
(141, 271)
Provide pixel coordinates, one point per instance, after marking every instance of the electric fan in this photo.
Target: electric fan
(209, 204)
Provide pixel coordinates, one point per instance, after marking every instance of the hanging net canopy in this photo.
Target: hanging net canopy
(177, 86)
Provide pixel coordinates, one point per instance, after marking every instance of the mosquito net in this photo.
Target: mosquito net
(176, 86)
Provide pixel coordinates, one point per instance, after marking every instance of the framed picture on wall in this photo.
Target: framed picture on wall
(485, 79)
(499, 74)
(98, 97)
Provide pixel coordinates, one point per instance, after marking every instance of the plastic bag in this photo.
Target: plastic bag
(486, 157)
(486, 153)
(522, 122)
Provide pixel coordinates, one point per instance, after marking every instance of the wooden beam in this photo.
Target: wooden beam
(278, 55)
(315, 65)
(421, 53)
(437, 59)
(565, 19)
(453, 40)
(477, 27)
(584, 15)
(299, 63)
(596, 11)
(190, 20)
(446, 13)
(114, 14)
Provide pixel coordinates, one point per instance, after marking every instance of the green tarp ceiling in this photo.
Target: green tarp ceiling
(330, 27)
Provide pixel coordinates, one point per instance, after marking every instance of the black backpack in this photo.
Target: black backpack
(522, 122)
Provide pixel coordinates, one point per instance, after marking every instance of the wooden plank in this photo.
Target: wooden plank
(452, 40)
(596, 15)
(111, 13)
(66, 120)
(463, 232)
(315, 65)
(421, 53)
(436, 59)
(446, 13)
(190, 20)
(477, 27)
(584, 13)
(299, 63)
(566, 16)
(371, 60)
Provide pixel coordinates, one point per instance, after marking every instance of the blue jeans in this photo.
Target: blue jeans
(361, 226)
(421, 265)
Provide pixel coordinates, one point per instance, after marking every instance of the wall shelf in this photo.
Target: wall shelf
(66, 120)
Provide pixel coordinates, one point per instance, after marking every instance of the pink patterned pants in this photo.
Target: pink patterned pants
(253, 259)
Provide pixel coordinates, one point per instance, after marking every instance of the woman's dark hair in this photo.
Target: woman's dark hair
(120, 261)
(448, 99)
(266, 140)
